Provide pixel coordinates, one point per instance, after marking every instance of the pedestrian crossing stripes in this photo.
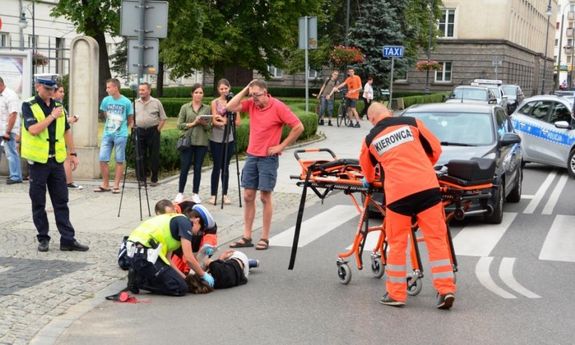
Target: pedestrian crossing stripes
(315, 227)
(540, 193)
(559, 244)
(480, 239)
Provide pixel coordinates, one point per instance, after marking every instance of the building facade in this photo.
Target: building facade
(563, 47)
(491, 39)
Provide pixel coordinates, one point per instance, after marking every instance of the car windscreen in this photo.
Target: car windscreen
(465, 93)
(509, 90)
(459, 129)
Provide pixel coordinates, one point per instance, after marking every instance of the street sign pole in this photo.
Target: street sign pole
(141, 40)
(391, 81)
(306, 34)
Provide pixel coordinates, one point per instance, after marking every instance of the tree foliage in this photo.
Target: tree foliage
(392, 22)
(94, 18)
(216, 34)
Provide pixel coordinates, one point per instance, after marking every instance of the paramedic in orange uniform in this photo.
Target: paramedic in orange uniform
(407, 151)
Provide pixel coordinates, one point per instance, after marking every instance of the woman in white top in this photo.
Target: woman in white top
(367, 96)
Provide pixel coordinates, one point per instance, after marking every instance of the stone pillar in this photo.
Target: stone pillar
(83, 95)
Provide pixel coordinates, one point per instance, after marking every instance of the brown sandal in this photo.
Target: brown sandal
(263, 244)
(242, 243)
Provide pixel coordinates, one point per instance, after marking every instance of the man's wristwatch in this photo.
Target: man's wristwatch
(73, 154)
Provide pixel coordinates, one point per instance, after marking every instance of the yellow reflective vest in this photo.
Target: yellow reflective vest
(158, 229)
(36, 147)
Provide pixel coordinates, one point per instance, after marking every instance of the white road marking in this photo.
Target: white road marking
(540, 193)
(527, 196)
(555, 195)
(482, 273)
(315, 227)
(559, 244)
(4, 269)
(480, 239)
(506, 274)
(370, 241)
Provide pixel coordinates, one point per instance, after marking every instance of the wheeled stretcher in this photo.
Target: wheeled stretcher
(465, 186)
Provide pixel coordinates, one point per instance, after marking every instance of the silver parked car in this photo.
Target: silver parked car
(546, 126)
(472, 94)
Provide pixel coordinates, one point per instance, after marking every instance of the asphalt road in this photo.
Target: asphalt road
(514, 287)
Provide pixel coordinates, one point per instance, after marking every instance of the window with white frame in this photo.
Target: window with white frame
(312, 74)
(447, 23)
(275, 72)
(32, 41)
(4, 39)
(443, 75)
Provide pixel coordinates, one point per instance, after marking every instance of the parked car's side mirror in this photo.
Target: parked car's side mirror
(562, 125)
(509, 139)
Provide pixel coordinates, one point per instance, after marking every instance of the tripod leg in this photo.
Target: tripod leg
(224, 161)
(234, 132)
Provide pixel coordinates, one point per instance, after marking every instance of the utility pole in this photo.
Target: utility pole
(429, 45)
(546, 42)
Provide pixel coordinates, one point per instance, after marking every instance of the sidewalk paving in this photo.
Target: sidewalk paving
(41, 294)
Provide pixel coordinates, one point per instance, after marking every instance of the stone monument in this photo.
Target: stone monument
(83, 96)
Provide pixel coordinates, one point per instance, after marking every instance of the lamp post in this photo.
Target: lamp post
(429, 45)
(22, 24)
(546, 43)
(557, 82)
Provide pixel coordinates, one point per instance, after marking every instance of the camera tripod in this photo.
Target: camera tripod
(229, 126)
(139, 168)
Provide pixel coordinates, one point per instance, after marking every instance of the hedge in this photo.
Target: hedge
(185, 91)
(421, 99)
(170, 157)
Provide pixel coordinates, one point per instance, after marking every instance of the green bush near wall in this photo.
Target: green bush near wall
(170, 157)
(421, 99)
(185, 91)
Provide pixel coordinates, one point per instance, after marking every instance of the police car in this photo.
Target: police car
(546, 126)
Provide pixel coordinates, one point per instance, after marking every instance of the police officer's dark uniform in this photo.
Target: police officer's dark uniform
(46, 152)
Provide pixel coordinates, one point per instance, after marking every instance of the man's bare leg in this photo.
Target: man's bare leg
(249, 211)
(266, 198)
(105, 175)
(118, 175)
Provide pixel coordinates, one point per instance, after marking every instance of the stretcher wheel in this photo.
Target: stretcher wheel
(344, 273)
(377, 267)
(414, 285)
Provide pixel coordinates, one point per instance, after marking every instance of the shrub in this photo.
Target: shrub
(170, 157)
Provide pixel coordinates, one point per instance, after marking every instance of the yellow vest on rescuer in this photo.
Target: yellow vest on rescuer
(37, 147)
(157, 228)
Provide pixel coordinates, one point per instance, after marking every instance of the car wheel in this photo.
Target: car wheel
(571, 164)
(497, 202)
(515, 195)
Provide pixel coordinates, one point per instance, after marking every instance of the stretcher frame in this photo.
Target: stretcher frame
(325, 176)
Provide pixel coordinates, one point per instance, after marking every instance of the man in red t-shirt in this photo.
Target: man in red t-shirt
(267, 117)
(353, 83)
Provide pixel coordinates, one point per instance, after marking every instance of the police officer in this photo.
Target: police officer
(45, 143)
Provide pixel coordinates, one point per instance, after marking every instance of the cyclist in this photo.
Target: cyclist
(326, 97)
(353, 83)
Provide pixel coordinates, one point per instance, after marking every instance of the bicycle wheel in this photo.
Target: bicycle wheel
(340, 115)
(347, 120)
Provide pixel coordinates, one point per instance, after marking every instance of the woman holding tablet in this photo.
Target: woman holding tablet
(217, 142)
(197, 129)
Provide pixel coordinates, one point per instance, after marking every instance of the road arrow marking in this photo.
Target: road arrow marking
(540, 193)
(315, 227)
(482, 273)
(480, 239)
(506, 274)
(559, 245)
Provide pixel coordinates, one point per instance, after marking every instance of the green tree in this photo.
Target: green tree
(94, 18)
(392, 22)
(223, 33)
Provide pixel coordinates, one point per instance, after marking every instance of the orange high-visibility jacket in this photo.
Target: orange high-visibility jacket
(407, 151)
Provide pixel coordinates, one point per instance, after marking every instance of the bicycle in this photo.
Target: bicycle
(342, 116)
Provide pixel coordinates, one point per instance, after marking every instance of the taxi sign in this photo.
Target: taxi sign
(393, 51)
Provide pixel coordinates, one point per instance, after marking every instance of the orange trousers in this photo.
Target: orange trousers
(180, 262)
(398, 229)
